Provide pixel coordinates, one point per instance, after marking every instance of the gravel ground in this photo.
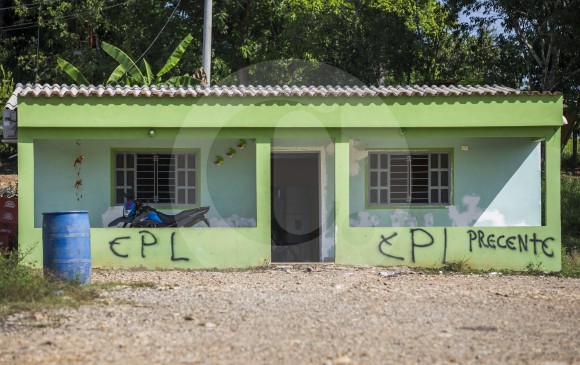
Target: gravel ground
(306, 315)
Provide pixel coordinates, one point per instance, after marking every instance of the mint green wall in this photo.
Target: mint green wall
(217, 247)
(484, 248)
(229, 189)
(495, 183)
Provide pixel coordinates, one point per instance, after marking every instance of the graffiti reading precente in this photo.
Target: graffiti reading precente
(509, 242)
(421, 238)
(147, 239)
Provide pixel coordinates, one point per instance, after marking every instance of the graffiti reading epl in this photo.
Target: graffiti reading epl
(421, 238)
(147, 239)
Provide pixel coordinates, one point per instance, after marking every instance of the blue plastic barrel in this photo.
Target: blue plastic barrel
(66, 243)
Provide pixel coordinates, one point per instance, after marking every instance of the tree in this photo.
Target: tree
(547, 32)
(35, 33)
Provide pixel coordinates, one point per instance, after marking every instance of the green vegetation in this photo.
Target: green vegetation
(457, 266)
(26, 288)
(571, 264)
(570, 201)
(133, 75)
(375, 41)
(571, 213)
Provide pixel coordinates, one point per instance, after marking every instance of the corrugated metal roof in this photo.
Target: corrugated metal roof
(46, 90)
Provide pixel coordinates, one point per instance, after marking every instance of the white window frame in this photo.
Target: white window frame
(181, 170)
(391, 176)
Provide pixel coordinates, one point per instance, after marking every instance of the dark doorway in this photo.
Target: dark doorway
(295, 207)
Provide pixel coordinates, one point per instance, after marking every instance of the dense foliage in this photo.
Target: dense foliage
(267, 41)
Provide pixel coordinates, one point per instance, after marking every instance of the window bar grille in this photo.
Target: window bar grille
(156, 178)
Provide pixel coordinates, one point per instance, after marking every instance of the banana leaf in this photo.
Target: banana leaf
(116, 75)
(150, 78)
(121, 57)
(72, 71)
(175, 56)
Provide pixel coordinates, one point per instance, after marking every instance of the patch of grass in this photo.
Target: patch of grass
(117, 285)
(534, 268)
(25, 288)
(570, 202)
(459, 266)
(571, 264)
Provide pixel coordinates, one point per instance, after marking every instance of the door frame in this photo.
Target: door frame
(322, 181)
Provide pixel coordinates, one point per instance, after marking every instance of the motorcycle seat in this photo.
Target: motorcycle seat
(190, 214)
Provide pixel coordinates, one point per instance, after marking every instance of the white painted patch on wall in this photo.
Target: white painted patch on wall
(365, 220)
(356, 155)
(233, 221)
(477, 217)
(469, 215)
(429, 220)
(401, 218)
(491, 218)
(495, 218)
(111, 214)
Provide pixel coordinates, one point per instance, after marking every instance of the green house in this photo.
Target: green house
(404, 175)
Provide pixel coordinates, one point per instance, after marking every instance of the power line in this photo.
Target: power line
(161, 31)
(22, 5)
(26, 25)
(154, 40)
(33, 5)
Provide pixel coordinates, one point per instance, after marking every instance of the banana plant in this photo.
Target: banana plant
(72, 71)
(146, 76)
(134, 75)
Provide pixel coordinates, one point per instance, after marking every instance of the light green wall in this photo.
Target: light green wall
(480, 247)
(248, 184)
(229, 189)
(496, 182)
(329, 112)
(47, 126)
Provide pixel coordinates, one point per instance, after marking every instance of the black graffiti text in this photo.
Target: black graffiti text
(519, 242)
(420, 238)
(147, 239)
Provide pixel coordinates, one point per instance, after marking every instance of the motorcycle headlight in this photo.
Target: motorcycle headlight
(128, 209)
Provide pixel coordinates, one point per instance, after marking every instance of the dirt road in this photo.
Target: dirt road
(288, 315)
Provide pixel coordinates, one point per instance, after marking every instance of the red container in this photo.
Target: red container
(9, 210)
(8, 228)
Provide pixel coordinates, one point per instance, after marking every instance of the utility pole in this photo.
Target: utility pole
(206, 54)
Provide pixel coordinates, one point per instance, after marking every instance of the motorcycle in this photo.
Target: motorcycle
(138, 214)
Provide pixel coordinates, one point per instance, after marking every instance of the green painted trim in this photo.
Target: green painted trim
(263, 194)
(552, 164)
(197, 152)
(27, 241)
(28, 134)
(172, 133)
(451, 152)
(315, 112)
(459, 132)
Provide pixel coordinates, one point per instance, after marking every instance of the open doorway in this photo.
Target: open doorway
(295, 207)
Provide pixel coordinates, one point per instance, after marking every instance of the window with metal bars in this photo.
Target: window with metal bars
(161, 178)
(417, 178)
